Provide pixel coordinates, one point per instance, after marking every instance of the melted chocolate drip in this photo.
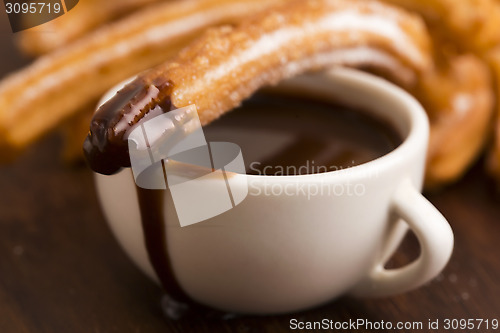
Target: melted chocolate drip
(151, 203)
(106, 146)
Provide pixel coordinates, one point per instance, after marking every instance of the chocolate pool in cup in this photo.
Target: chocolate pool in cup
(284, 251)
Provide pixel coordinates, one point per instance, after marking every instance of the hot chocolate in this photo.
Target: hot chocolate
(281, 134)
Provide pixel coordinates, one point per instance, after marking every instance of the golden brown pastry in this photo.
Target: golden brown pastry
(226, 65)
(40, 96)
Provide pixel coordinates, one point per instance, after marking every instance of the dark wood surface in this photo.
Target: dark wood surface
(62, 271)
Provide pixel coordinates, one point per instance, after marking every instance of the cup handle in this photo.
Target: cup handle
(436, 243)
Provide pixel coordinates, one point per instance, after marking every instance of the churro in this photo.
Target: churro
(226, 65)
(39, 97)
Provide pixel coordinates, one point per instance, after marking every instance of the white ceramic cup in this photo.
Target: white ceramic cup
(286, 251)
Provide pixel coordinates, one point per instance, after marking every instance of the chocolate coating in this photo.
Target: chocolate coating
(106, 146)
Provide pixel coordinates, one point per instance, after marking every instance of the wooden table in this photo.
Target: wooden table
(62, 271)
